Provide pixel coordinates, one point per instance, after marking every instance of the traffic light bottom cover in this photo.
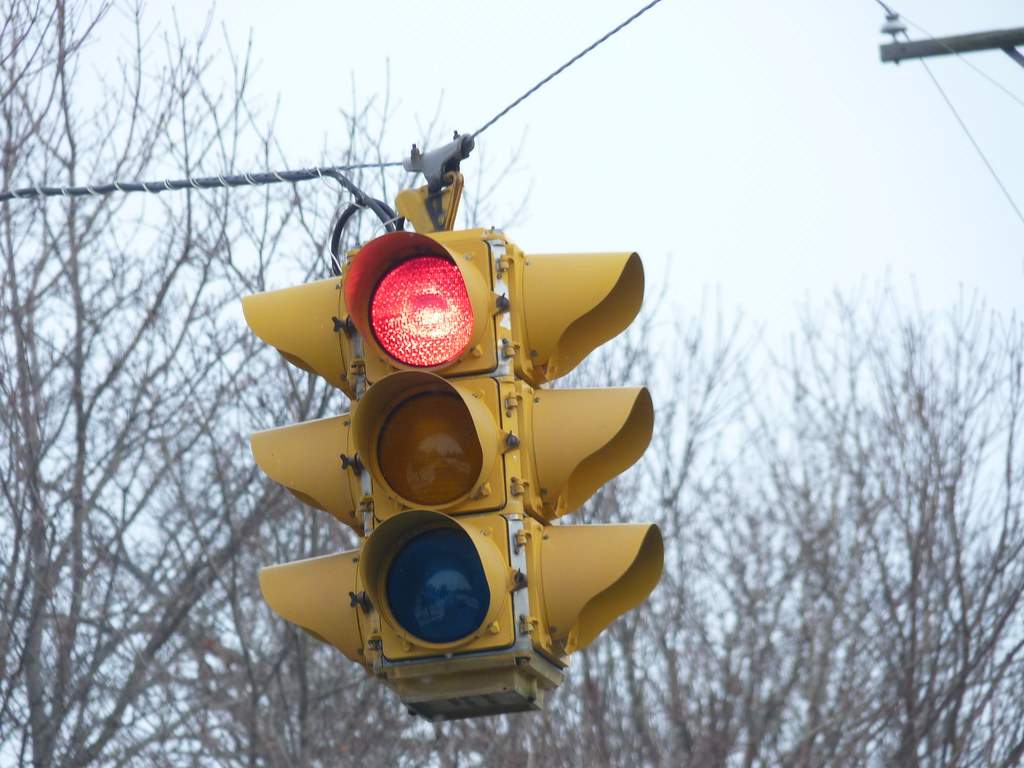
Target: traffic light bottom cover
(474, 686)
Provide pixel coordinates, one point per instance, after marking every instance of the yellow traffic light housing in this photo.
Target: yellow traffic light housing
(553, 603)
(465, 595)
(439, 584)
(432, 211)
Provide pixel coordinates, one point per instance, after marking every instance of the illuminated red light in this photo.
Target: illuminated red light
(420, 312)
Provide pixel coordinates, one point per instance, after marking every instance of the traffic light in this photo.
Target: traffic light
(465, 595)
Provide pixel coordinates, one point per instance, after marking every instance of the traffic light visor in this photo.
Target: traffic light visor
(573, 303)
(582, 596)
(585, 437)
(426, 441)
(302, 323)
(437, 582)
(315, 594)
(304, 458)
(415, 301)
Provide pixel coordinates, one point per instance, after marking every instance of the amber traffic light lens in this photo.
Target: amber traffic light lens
(428, 450)
(420, 312)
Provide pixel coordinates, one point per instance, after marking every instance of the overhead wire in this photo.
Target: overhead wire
(889, 11)
(289, 176)
(564, 67)
(203, 182)
(974, 143)
(886, 8)
(336, 172)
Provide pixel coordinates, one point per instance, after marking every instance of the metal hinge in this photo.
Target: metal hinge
(366, 507)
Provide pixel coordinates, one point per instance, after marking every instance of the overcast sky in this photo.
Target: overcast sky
(756, 149)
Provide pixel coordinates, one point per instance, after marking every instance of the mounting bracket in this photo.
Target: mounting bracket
(438, 163)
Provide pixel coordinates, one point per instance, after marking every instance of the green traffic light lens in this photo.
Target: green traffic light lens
(436, 586)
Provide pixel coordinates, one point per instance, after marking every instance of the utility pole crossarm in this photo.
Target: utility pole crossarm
(1004, 39)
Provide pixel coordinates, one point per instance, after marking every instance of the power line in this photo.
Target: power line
(277, 177)
(565, 66)
(977, 147)
(886, 8)
(204, 182)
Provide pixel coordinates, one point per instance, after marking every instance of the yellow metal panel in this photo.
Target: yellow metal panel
(431, 212)
(480, 397)
(572, 304)
(305, 459)
(595, 573)
(488, 533)
(584, 437)
(300, 323)
(314, 594)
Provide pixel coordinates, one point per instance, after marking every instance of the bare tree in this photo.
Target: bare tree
(129, 384)
(863, 575)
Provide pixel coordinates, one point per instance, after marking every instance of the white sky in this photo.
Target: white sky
(757, 149)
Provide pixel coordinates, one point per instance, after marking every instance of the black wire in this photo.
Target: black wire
(204, 182)
(392, 223)
(565, 66)
(276, 177)
(886, 8)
